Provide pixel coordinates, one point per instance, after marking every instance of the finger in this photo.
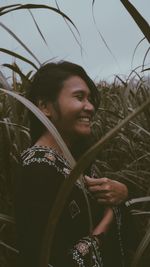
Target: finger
(103, 195)
(107, 197)
(106, 201)
(96, 181)
(100, 188)
(89, 180)
(97, 189)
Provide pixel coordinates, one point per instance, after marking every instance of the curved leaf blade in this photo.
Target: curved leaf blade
(6, 51)
(20, 42)
(140, 21)
(47, 123)
(34, 6)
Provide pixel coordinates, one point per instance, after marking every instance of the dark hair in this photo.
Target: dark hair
(46, 85)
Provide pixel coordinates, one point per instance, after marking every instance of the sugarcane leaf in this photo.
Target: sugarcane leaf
(79, 43)
(4, 10)
(9, 52)
(47, 123)
(138, 18)
(20, 42)
(16, 69)
(38, 28)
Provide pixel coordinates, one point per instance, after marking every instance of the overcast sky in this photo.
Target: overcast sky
(112, 20)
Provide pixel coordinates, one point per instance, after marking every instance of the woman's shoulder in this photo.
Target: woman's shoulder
(45, 156)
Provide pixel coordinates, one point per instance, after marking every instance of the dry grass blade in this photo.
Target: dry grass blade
(141, 22)
(145, 58)
(8, 247)
(146, 69)
(139, 212)
(140, 128)
(12, 105)
(137, 200)
(102, 37)
(135, 51)
(46, 122)
(6, 51)
(20, 42)
(9, 6)
(14, 124)
(79, 43)
(16, 69)
(4, 10)
(142, 247)
(66, 188)
(6, 219)
(4, 82)
(37, 26)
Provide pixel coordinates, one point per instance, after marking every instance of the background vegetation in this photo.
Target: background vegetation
(125, 157)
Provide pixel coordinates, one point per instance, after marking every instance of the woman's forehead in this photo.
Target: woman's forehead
(76, 84)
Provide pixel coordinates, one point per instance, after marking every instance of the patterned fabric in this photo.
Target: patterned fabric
(43, 154)
(87, 253)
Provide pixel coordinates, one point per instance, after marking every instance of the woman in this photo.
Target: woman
(68, 97)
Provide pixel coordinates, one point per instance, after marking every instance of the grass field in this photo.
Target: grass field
(124, 156)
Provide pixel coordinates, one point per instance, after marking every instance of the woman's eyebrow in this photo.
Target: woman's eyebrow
(76, 91)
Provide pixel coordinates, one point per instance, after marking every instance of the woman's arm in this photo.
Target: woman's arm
(104, 225)
(87, 249)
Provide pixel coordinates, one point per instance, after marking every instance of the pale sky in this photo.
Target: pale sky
(113, 21)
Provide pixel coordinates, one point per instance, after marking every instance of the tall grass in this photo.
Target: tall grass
(121, 129)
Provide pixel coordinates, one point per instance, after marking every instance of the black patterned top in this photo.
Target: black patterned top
(40, 175)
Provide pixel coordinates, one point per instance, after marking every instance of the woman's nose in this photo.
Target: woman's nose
(89, 106)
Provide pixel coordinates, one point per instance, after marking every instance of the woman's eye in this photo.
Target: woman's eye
(79, 97)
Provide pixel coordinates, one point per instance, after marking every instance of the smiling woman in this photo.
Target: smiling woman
(66, 94)
(68, 97)
(72, 111)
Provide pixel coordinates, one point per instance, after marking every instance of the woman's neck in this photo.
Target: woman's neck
(48, 140)
(77, 148)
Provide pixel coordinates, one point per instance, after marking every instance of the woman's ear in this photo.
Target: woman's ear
(45, 107)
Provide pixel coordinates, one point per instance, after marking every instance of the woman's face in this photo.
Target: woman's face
(73, 111)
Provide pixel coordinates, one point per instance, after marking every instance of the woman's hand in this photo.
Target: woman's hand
(107, 191)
